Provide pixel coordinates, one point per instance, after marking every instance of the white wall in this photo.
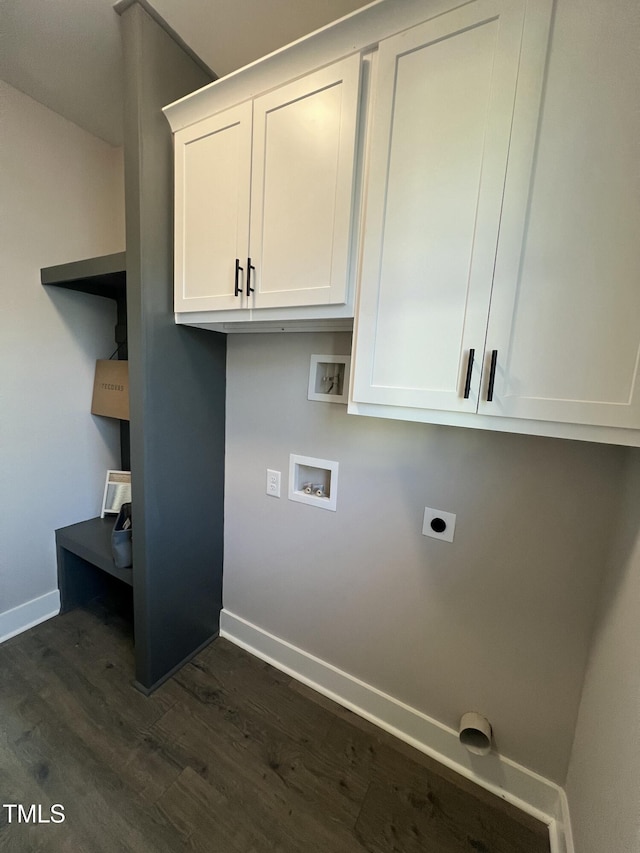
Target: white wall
(603, 780)
(61, 199)
(501, 620)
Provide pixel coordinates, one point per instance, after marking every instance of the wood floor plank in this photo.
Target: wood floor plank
(230, 756)
(204, 816)
(107, 642)
(99, 804)
(109, 673)
(436, 815)
(18, 786)
(252, 682)
(100, 718)
(299, 812)
(230, 659)
(374, 753)
(251, 816)
(24, 743)
(281, 739)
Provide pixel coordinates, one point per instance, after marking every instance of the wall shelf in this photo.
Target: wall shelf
(90, 540)
(104, 276)
(86, 570)
(84, 549)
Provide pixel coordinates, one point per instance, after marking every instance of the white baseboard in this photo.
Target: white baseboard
(26, 615)
(527, 790)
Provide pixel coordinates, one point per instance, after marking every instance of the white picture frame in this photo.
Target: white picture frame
(117, 491)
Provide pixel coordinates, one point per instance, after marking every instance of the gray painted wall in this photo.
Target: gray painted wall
(499, 621)
(61, 199)
(602, 784)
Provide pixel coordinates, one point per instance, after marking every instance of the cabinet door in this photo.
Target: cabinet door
(565, 309)
(213, 162)
(442, 122)
(304, 142)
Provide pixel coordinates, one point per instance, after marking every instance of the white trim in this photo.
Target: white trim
(578, 432)
(26, 615)
(357, 31)
(302, 323)
(562, 825)
(522, 788)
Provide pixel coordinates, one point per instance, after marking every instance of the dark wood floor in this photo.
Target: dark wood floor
(229, 756)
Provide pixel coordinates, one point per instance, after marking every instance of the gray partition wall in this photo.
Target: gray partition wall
(177, 377)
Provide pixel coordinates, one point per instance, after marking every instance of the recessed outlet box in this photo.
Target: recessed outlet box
(329, 378)
(313, 481)
(439, 524)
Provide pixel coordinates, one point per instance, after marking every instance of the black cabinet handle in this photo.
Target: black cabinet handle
(492, 375)
(467, 382)
(250, 267)
(237, 289)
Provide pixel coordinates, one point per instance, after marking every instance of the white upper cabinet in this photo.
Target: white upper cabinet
(264, 198)
(479, 187)
(486, 297)
(304, 143)
(213, 169)
(442, 124)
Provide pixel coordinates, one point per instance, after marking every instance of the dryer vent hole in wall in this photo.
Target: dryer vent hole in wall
(439, 524)
(475, 733)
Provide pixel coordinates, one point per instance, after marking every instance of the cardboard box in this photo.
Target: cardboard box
(111, 389)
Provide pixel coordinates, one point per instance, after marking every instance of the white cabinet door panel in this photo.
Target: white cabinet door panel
(439, 153)
(302, 188)
(577, 363)
(565, 309)
(212, 209)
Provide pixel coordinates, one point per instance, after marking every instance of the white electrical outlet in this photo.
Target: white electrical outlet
(273, 483)
(439, 524)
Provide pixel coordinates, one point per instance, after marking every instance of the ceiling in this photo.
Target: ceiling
(66, 54)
